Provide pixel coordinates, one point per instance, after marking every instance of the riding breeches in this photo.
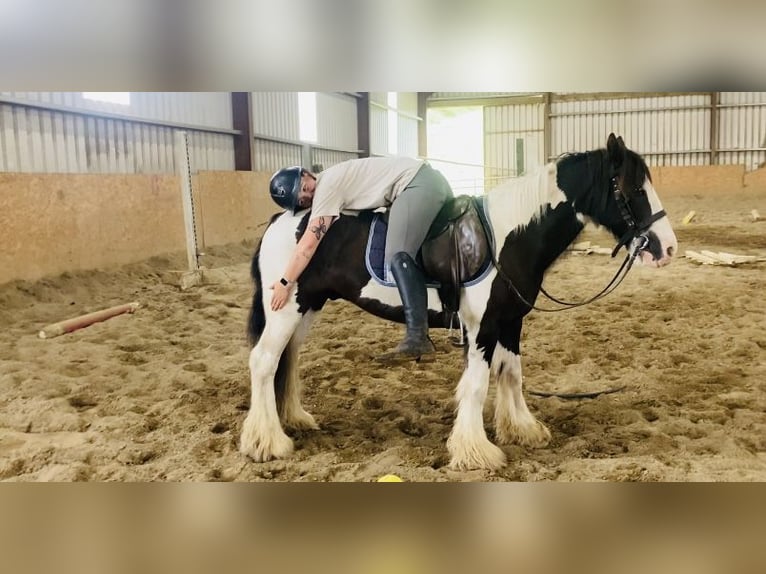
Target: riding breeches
(414, 210)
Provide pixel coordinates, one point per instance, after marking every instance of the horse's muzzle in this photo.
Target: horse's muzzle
(651, 250)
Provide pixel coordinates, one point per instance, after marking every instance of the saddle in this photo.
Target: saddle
(457, 248)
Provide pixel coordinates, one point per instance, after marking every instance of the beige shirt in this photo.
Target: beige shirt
(359, 184)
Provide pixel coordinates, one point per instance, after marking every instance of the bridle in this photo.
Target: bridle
(636, 234)
(635, 228)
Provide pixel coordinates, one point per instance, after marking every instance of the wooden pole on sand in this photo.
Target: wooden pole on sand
(69, 325)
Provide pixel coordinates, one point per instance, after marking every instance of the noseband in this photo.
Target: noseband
(636, 229)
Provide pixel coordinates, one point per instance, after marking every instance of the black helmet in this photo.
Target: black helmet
(285, 186)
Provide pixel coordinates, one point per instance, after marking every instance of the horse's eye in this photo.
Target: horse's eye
(641, 191)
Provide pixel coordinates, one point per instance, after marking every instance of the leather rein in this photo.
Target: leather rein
(635, 233)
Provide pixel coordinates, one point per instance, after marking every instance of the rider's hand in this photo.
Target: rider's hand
(280, 295)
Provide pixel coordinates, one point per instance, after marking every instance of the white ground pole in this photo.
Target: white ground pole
(184, 171)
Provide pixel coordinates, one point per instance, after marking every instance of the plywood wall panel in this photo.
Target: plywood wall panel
(702, 180)
(232, 205)
(50, 224)
(56, 223)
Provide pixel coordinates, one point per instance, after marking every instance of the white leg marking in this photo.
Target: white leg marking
(293, 414)
(513, 421)
(262, 436)
(468, 444)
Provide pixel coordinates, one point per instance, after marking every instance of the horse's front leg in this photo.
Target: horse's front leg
(468, 444)
(513, 421)
(294, 416)
(262, 435)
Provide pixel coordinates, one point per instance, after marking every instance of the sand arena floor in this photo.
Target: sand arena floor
(161, 395)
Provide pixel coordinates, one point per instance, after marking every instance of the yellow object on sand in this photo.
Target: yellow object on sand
(390, 478)
(689, 216)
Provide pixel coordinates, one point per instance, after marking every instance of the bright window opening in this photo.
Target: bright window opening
(307, 116)
(122, 98)
(456, 147)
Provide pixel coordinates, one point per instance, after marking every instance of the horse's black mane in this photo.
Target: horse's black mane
(582, 172)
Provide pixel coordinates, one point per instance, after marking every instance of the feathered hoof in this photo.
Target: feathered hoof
(262, 447)
(475, 456)
(533, 435)
(300, 421)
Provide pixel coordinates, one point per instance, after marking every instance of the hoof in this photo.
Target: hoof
(265, 451)
(300, 421)
(476, 456)
(533, 435)
(261, 446)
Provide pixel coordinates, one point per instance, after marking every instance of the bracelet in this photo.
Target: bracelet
(285, 282)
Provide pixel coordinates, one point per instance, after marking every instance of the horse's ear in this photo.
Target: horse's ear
(616, 149)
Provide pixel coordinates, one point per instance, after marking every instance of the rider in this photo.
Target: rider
(414, 191)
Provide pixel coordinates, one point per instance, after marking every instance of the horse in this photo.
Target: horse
(533, 219)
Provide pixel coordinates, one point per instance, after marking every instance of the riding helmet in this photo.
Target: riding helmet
(285, 186)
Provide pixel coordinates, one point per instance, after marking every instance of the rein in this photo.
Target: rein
(635, 232)
(611, 286)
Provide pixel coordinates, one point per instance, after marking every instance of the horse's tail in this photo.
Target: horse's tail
(257, 323)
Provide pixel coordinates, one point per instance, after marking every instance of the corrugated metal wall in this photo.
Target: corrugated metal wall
(672, 129)
(379, 123)
(666, 130)
(406, 124)
(326, 157)
(337, 131)
(435, 96)
(378, 129)
(336, 121)
(513, 140)
(53, 132)
(209, 109)
(407, 136)
(275, 115)
(742, 126)
(64, 132)
(276, 130)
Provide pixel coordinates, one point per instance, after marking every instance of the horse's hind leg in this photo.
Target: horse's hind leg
(468, 444)
(294, 415)
(513, 421)
(262, 435)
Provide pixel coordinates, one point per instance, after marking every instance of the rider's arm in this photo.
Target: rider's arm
(304, 251)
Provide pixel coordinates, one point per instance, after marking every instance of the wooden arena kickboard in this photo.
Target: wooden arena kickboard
(586, 248)
(721, 258)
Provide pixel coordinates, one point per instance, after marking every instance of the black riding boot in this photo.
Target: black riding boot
(412, 288)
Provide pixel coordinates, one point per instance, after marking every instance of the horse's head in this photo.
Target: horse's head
(634, 212)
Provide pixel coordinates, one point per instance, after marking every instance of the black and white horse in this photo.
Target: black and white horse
(533, 219)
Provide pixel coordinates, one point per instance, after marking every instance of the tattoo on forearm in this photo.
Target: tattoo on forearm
(320, 229)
